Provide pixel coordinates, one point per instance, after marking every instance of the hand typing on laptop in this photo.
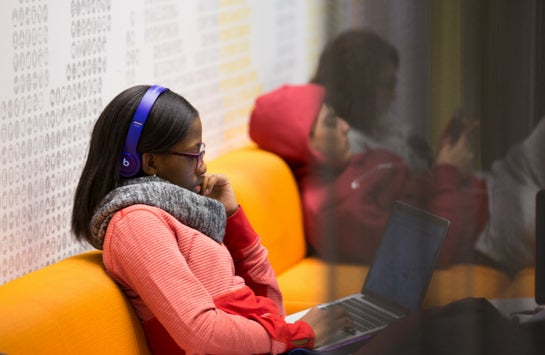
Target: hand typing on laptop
(324, 322)
(396, 281)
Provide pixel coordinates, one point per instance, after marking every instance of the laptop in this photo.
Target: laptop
(398, 277)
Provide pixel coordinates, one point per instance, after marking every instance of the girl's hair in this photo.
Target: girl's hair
(167, 124)
(349, 69)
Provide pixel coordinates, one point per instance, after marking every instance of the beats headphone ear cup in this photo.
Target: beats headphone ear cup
(130, 160)
(130, 165)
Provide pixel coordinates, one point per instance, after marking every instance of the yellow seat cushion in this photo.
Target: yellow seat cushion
(313, 281)
(71, 307)
(522, 285)
(464, 280)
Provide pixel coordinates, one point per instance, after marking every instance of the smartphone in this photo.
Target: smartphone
(455, 126)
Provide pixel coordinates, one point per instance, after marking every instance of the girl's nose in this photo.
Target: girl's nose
(202, 169)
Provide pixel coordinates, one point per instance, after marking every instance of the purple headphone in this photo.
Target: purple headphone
(130, 160)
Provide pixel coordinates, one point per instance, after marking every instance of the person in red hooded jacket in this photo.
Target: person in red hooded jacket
(347, 197)
(492, 212)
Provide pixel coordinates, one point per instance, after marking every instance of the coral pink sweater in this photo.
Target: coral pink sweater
(195, 295)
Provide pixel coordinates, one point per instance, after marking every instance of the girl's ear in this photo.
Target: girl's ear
(149, 164)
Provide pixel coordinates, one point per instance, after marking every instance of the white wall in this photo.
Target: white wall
(61, 61)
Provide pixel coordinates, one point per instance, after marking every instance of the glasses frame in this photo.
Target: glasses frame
(197, 156)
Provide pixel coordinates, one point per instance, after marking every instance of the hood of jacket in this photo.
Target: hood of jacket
(282, 120)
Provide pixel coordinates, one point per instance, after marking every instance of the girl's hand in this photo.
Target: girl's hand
(219, 188)
(326, 322)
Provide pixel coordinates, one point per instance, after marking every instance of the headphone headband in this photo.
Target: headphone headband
(130, 160)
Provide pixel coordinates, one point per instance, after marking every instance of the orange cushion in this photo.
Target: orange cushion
(464, 280)
(313, 281)
(522, 285)
(71, 307)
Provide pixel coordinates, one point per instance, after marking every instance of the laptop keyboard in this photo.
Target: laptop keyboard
(365, 317)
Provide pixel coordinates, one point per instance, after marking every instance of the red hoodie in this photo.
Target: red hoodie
(345, 209)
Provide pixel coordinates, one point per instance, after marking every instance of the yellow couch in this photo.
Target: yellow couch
(72, 307)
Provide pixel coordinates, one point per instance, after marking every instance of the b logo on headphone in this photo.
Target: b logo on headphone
(130, 160)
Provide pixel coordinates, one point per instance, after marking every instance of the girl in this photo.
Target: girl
(175, 239)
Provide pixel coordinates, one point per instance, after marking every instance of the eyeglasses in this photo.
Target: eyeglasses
(197, 156)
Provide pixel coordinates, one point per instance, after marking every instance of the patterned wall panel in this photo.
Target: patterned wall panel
(63, 60)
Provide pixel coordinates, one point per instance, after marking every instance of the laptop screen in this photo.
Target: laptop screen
(405, 259)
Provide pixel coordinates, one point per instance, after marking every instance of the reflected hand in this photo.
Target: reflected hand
(456, 128)
(454, 148)
(457, 154)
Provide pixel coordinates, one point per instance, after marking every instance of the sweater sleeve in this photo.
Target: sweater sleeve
(251, 259)
(143, 254)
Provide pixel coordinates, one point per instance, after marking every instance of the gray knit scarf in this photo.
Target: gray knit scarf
(198, 212)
